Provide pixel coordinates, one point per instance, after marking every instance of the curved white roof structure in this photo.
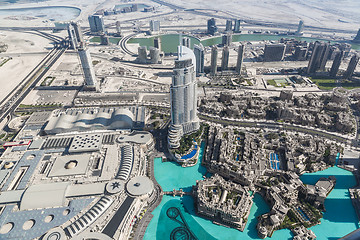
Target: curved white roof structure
(127, 157)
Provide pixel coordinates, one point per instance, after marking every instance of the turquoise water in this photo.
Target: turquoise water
(171, 41)
(340, 217)
(337, 222)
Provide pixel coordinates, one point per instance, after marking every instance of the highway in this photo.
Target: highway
(31, 80)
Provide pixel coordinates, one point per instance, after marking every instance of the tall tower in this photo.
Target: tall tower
(225, 58)
(118, 28)
(240, 58)
(318, 57)
(237, 26)
(352, 66)
(183, 96)
(186, 42)
(199, 55)
(336, 63)
(154, 26)
(211, 26)
(75, 35)
(357, 38)
(227, 39)
(96, 23)
(87, 67)
(228, 25)
(157, 43)
(214, 55)
(300, 30)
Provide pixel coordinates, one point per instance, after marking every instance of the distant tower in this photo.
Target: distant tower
(118, 28)
(225, 58)
(318, 57)
(96, 23)
(227, 39)
(214, 55)
(87, 67)
(186, 42)
(199, 55)
(357, 38)
(211, 26)
(352, 66)
(154, 26)
(183, 94)
(300, 30)
(142, 54)
(154, 55)
(336, 63)
(157, 43)
(104, 40)
(325, 56)
(240, 58)
(237, 26)
(228, 25)
(75, 35)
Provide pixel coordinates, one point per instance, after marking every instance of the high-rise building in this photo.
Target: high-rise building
(183, 94)
(336, 63)
(325, 57)
(214, 55)
(227, 39)
(300, 30)
(96, 23)
(142, 54)
(240, 58)
(300, 53)
(104, 40)
(185, 41)
(154, 55)
(357, 38)
(274, 52)
(352, 66)
(87, 67)
(228, 25)
(318, 57)
(211, 26)
(118, 28)
(75, 35)
(154, 26)
(237, 26)
(199, 56)
(157, 43)
(225, 58)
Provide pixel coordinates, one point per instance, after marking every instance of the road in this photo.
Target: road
(32, 80)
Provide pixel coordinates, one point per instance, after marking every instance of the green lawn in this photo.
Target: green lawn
(329, 84)
(275, 84)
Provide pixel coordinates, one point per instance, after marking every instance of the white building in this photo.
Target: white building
(183, 96)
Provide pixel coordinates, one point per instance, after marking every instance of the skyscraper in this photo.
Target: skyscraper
(228, 25)
(157, 43)
(336, 63)
(142, 54)
(75, 35)
(211, 26)
(357, 38)
(199, 55)
(237, 26)
(274, 52)
(118, 28)
(183, 96)
(104, 40)
(318, 57)
(214, 55)
(300, 30)
(186, 42)
(154, 26)
(225, 58)
(96, 23)
(352, 66)
(227, 39)
(87, 67)
(154, 55)
(240, 58)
